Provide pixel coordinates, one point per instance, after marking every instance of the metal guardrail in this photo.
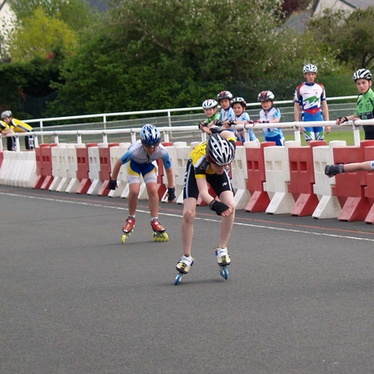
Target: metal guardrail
(167, 131)
(105, 116)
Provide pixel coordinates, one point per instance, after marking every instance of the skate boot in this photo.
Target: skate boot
(128, 228)
(223, 260)
(183, 266)
(159, 233)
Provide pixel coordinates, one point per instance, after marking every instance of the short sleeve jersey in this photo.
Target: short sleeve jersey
(137, 153)
(365, 105)
(3, 126)
(310, 97)
(227, 114)
(199, 160)
(273, 113)
(215, 117)
(244, 117)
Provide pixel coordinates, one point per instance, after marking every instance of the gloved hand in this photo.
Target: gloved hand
(218, 207)
(171, 194)
(112, 184)
(341, 120)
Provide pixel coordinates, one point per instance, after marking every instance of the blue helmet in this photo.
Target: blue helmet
(150, 135)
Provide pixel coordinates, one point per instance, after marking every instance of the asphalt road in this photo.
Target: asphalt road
(74, 300)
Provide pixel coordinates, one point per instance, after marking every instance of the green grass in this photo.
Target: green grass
(335, 134)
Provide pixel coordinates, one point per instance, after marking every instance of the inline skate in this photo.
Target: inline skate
(128, 228)
(223, 260)
(183, 266)
(159, 232)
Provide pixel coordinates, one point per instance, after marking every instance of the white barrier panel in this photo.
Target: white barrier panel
(18, 169)
(182, 152)
(277, 171)
(328, 206)
(239, 174)
(73, 181)
(58, 165)
(94, 169)
(116, 153)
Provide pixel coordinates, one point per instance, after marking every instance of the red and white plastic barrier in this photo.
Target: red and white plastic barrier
(274, 179)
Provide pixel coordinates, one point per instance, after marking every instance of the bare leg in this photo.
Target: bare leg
(189, 212)
(227, 198)
(152, 190)
(133, 198)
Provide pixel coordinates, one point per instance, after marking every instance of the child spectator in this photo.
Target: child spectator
(224, 100)
(241, 117)
(210, 107)
(310, 104)
(270, 114)
(365, 101)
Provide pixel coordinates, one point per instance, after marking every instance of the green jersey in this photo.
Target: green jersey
(365, 105)
(211, 119)
(365, 110)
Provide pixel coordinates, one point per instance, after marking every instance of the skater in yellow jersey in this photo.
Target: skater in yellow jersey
(207, 164)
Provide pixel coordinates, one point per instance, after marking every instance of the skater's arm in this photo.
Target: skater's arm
(170, 177)
(171, 186)
(115, 170)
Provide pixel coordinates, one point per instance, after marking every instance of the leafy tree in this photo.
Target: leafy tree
(174, 53)
(349, 37)
(77, 14)
(40, 36)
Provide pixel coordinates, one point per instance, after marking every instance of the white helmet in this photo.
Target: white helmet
(362, 74)
(6, 113)
(265, 96)
(209, 103)
(220, 150)
(310, 68)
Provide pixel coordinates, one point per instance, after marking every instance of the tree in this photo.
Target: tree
(77, 14)
(173, 53)
(349, 37)
(40, 36)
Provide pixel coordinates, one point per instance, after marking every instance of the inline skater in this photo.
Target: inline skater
(140, 158)
(207, 164)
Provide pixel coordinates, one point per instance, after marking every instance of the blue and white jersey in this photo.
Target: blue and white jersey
(138, 154)
(310, 97)
(271, 134)
(244, 117)
(227, 114)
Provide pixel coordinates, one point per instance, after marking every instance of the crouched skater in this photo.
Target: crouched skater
(207, 164)
(140, 158)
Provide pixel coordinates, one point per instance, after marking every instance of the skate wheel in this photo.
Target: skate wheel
(178, 278)
(224, 272)
(124, 238)
(160, 237)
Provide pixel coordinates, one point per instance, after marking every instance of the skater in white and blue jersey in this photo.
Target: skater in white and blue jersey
(140, 158)
(270, 114)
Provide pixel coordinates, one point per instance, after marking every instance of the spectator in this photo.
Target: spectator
(270, 114)
(310, 104)
(17, 126)
(365, 101)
